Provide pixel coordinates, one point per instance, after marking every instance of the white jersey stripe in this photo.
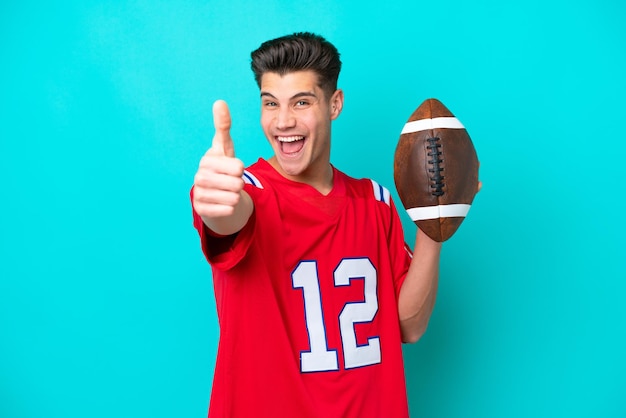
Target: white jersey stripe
(381, 193)
(441, 211)
(434, 123)
(249, 178)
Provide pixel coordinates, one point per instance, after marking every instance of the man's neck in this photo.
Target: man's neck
(320, 179)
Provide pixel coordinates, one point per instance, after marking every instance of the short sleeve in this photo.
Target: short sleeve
(224, 252)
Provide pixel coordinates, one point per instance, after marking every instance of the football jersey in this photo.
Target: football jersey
(306, 295)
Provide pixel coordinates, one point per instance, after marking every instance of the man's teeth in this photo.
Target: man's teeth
(290, 138)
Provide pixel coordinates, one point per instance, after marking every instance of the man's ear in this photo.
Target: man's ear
(336, 104)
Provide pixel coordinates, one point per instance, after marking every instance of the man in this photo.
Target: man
(314, 285)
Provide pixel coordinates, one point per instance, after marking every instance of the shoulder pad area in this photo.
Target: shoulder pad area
(381, 193)
(250, 178)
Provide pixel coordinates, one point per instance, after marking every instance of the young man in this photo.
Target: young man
(315, 287)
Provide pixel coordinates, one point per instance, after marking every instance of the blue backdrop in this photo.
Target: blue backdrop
(106, 304)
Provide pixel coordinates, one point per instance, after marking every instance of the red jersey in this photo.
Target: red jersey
(306, 295)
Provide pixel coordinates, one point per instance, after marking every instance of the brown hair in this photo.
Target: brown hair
(299, 52)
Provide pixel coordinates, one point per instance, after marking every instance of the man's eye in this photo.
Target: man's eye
(270, 104)
(302, 103)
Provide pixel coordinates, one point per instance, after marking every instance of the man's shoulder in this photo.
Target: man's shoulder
(366, 187)
(258, 174)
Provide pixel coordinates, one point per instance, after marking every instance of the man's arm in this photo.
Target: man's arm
(218, 195)
(419, 290)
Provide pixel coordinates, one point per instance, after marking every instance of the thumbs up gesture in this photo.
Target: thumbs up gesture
(222, 142)
(218, 186)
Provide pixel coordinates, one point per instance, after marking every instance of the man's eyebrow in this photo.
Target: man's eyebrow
(304, 94)
(295, 96)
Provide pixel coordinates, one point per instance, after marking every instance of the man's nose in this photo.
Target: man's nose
(285, 119)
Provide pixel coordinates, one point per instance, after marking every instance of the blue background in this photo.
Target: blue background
(106, 304)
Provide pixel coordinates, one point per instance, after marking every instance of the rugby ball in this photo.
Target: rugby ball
(435, 170)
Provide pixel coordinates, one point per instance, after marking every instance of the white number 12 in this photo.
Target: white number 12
(320, 357)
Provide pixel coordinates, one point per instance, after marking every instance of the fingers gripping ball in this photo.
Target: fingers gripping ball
(435, 170)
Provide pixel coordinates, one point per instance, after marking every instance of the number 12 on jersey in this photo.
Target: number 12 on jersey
(320, 357)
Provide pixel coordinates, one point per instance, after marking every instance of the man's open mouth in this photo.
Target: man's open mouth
(291, 144)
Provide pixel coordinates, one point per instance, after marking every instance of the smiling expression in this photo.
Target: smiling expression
(296, 118)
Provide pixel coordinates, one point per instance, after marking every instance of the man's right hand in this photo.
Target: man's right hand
(218, 184)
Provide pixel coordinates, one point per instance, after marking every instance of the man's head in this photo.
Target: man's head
(302, 51)
(297, 76)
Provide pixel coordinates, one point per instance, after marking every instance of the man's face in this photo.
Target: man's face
(295, 117)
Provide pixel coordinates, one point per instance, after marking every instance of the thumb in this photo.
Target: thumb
(222, 142)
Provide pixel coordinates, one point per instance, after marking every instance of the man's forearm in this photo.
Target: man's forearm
(419, 290)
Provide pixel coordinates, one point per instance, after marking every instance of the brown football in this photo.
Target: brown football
(436, 170)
